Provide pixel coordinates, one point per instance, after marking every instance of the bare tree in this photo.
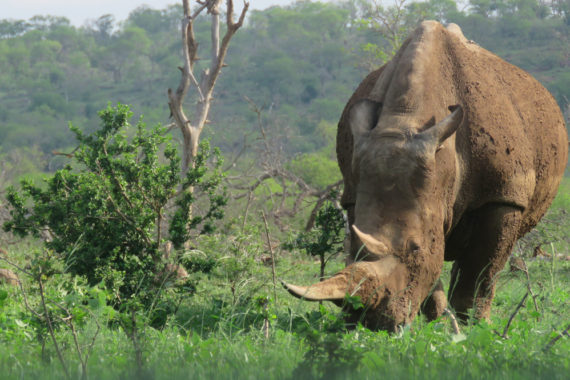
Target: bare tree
(390, 22)
(191, 127)
(295, 194)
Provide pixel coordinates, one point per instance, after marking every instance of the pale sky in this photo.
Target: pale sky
(79, 11)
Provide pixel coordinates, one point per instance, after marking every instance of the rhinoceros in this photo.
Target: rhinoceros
(447, 153)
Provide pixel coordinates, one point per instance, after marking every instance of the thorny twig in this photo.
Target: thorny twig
(508, 325)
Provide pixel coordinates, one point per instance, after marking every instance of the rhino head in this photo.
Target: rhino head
(398, 214)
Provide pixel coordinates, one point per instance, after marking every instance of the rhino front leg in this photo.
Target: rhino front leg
(495, 229)
(435, 304)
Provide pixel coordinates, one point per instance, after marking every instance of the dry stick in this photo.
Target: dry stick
(48, 320)
(323, 196)
(83, 361)
(272, 256)
(556, 338)
(249, 198)
(454, 323)
(529, 288)
(50, 327)
(506, 330)
(266, 321)
(92, 344)
(69, 322)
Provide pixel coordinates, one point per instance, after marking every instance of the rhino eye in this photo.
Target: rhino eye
(412, 246)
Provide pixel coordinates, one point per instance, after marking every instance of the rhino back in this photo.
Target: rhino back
(512, 146)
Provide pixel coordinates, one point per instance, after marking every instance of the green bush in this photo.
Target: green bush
(108, 211)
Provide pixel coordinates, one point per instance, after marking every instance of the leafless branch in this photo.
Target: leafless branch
(272, 256)
(528, 285)
(508, 325)
(83, 357)
(192, 128)
(8, 261)
(68, 155)
(565, 332)
(294, 193)
(50, 326)
(391, 22)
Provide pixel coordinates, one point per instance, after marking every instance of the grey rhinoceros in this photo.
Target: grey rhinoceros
(423, 184)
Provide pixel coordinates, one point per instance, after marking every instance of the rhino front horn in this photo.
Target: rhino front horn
(347, 281)
(333, 289)
(362, 278)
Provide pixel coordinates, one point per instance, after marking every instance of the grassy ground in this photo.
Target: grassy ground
(218, 332)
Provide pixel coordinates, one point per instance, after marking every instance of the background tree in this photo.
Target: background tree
(298, 63)
(192, 128)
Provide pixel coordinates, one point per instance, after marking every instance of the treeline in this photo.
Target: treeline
(298, 65)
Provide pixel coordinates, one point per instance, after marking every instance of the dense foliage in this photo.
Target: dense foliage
(106, 214)
(300, 63)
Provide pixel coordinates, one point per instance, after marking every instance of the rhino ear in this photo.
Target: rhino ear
(363, 116)
(440, 132)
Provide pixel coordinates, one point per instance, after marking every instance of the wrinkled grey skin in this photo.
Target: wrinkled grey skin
(447, 153)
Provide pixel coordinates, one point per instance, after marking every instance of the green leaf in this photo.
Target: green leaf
(456, 338)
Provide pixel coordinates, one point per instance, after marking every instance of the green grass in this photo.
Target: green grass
(217, 333)
(213, 338)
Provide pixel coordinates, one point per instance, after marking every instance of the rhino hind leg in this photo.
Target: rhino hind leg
(434, 305)
(494, 231)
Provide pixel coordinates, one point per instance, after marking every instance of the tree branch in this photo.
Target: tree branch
(272, 256)
(557, 337)
(50, 327)
(508, 325)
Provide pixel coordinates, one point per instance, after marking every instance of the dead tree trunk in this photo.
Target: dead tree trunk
(191, 127)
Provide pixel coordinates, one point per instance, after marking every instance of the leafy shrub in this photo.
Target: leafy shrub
(331, 353)
(325, 240)
(107, 214)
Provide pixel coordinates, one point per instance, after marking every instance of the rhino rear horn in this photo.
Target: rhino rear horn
(372, 244)
(363, 116)
(437, 134)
